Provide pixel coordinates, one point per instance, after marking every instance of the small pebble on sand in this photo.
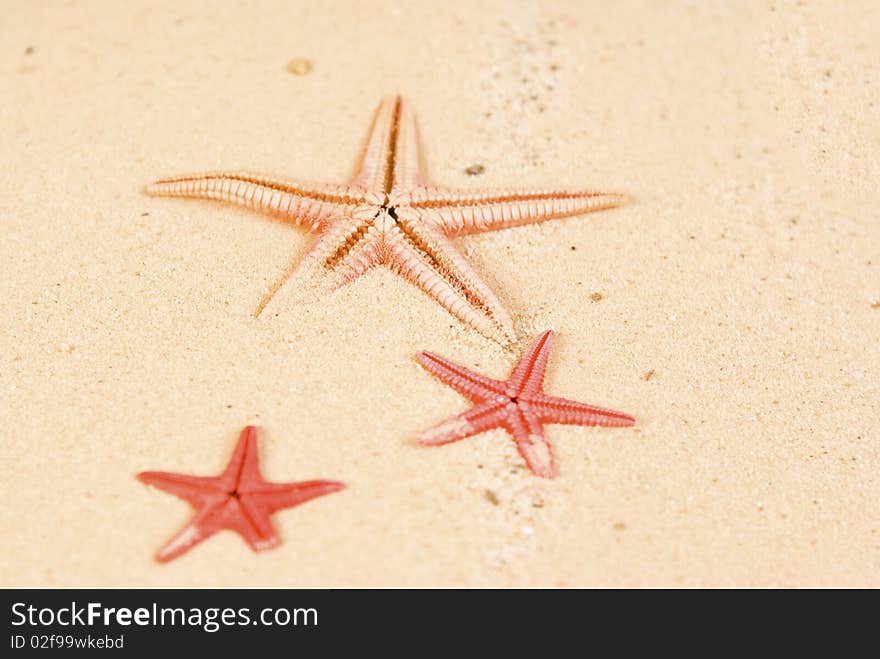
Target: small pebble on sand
(475, 170)
(299, 66)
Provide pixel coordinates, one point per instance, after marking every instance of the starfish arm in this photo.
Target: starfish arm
(201, 527)
(390, 159)
(407, 168)
(431, 261)
(271, 497)
(462, 212)
(244, 465)
(561, 410)
(342, 252)
(257, 502)
(478, 419)
(195, 489)
(528, 375)
(252, 522)
(308, 205)
(528, 433)
(474, 386)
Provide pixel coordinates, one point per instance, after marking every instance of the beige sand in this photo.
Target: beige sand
(745, 278)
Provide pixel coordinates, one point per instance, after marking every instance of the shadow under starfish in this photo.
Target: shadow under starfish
(387, 215)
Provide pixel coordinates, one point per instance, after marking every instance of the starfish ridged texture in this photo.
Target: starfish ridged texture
(238, 500)
(388, 216)
(518, 404)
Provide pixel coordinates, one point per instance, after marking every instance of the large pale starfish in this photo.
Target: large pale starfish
(238, 499)
(388, 216)
(518, 404)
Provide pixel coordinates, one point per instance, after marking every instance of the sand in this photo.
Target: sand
(738, 319)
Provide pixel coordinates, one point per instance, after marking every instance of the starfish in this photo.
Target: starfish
(238, 500)
(387, 215)
(518, 404)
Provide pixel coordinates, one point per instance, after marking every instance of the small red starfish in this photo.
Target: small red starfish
(518, 404)
(238, 499)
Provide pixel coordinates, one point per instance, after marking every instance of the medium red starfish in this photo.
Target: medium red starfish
(238, 500)
(518, 404)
